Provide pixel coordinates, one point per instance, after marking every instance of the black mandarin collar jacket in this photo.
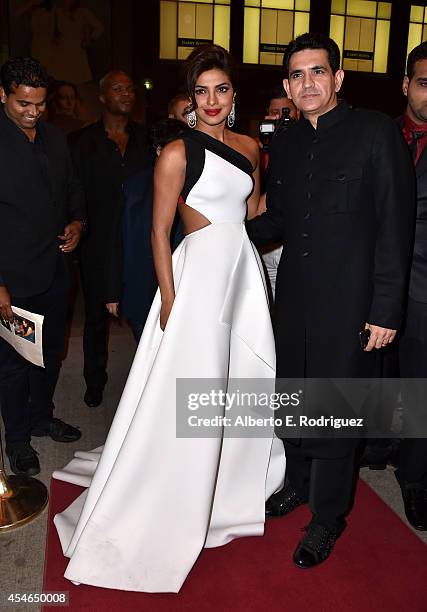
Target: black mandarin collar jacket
(341, 199)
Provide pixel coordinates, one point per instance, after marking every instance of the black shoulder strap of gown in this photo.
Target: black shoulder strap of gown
(195, 155)
(222, 150)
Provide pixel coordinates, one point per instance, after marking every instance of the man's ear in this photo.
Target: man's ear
(2, 95)
(101, 98)
(339, 78)
(287, 88)
(405, 85)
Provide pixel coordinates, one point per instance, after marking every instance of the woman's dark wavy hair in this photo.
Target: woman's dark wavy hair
(18, 71)
(313, 41)
(206, 57)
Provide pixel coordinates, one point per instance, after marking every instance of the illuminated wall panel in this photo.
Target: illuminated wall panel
(185, 24)
(222, 26)
(361, 28)
(417, 27)
(168, 23)
(269, 27)
(251, 36)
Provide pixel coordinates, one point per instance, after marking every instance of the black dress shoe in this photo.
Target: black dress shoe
(378, 456)
(415, 502)
(283, 502)
(23, 459)
(93, 398)
(57, 430)
(315, 546)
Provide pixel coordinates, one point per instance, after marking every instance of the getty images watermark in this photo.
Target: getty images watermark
(321, 408)
(238, 400)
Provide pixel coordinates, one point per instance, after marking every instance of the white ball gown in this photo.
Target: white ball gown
(155, 499)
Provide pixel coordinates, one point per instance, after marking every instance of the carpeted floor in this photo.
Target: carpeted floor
(377, 564)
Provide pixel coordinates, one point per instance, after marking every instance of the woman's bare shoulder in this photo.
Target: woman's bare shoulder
(173, 153)
(175, 148)
(244, 139)
(247, 146)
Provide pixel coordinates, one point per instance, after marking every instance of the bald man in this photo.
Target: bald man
(105, 154)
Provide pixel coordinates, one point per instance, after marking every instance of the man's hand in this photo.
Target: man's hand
(71, 236)
(380, 337)
(262, 206)
(5, 307)
(113, 308)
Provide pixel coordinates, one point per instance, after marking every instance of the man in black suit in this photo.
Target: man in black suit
(340, 198)
(412, 464)
(105, 155)
(42, 212)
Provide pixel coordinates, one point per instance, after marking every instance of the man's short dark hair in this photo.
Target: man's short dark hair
(181, 97)
(277, 92)
(26, 71)
(418, 53)
(313, 41)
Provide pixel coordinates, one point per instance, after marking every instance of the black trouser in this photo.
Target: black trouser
(95, 336)
(137, 328)
(327, 484)
(26, 390)
(413, 364)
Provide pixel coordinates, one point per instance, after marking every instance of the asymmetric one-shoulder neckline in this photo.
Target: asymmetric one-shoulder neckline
(222, 149)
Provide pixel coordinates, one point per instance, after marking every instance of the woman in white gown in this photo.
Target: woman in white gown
(156, 499)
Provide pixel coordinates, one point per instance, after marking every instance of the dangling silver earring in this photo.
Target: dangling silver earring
(192, 119)
(232, 116)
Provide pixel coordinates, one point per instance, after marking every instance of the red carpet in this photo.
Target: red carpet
(378, 563)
